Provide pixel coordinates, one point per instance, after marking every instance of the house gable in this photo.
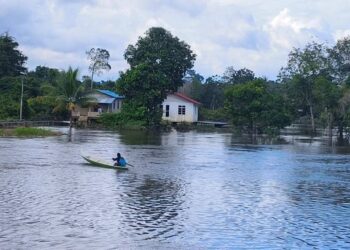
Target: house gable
(180, 108)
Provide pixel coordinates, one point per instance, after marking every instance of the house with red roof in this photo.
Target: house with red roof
(178, 107)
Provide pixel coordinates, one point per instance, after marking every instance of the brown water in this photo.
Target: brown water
(187, 190)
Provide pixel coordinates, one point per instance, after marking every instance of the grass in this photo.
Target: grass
(27, 132)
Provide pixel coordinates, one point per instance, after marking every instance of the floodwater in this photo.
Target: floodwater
(187, 190)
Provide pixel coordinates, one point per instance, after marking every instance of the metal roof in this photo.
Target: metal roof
(109, 93)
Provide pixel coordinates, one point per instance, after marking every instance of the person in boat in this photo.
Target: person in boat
(120, 161)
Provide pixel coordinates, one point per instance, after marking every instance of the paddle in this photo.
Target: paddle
(130, 164)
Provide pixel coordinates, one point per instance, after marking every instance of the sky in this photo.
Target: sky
(253, 34)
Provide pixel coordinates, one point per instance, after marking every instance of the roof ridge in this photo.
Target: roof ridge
(185, 97)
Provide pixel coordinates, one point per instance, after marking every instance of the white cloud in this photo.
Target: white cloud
(255, 34)
(339, 34)
(287, 31)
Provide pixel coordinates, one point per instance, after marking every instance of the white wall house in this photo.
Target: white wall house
(178, 107)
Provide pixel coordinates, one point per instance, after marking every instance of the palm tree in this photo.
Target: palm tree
(70, 92)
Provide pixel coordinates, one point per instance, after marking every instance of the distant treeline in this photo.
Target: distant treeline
(313, 86)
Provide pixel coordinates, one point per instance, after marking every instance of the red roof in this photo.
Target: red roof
(182, 96)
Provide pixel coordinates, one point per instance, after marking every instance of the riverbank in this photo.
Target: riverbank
(27, 132)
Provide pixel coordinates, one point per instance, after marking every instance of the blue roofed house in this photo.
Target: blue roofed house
(105, 101)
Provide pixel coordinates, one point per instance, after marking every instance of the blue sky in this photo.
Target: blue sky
(254, 34)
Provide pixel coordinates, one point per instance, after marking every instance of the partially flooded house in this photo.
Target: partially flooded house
(102, 101)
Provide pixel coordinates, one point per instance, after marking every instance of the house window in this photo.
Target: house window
(167, 108)
(182, 110)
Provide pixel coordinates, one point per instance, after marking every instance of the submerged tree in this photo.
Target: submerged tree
(158, 62)
(303, 68)
(253, 107)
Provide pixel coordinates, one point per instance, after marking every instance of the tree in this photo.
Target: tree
(303, 68)
(145, 89)
(10, 95)
(158, 62)
(327, 96)
(69, 92)
(98, 62)
(212, 93)
(233, 76)
(339, 57)
(45, 74)
(251, 106)
(159, 47)
(11, 59)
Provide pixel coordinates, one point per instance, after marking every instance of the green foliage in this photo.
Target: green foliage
(251, 106)
(127, 120)
(10, 97)
(339, 61)
(303, 68)
(11, 59)
(32, 132)
(45, 74)
(158, 62)
(145, 89)
(27, 132)
(192, 84)
(69, 91)
(212, 93)
(173, 57)
(212, 114)
(9, 109)
(106, 85)
(42, 106)
(232, 76)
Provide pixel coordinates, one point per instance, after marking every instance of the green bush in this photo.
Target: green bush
(212, 114)
(24, 132)
(27, 132)
(120, 120)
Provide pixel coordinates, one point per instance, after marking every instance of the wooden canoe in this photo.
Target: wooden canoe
(102, 164)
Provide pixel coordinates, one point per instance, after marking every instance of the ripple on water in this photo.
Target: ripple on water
(203, 190)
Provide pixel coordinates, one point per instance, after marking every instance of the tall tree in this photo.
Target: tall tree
(11, 59)
(160, 48)
(303, 68)
(98, 62)
(69, 92)
(158, 62)
(339, 56)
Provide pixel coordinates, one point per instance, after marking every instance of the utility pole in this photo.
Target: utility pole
(21, 105)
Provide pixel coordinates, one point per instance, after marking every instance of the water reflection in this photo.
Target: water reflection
(139, 137)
